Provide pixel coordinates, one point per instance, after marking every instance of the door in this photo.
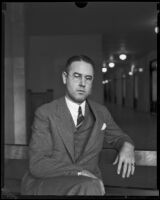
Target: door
(153, 86)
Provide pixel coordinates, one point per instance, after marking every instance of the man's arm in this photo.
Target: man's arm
(43, 159)
(126, 158)
(124, 144)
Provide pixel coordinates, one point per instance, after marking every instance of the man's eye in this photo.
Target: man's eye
(76, 75)
(89, 78)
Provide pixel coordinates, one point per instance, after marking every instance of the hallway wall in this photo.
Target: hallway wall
(8, 83)
(14, 74)
(144, 81)
(47, 56)
(143, 103)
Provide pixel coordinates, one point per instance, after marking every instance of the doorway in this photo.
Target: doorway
(153, 86)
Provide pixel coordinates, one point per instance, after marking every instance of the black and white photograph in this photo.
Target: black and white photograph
(79, 100)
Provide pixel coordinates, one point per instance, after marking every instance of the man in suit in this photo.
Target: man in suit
(67, 137)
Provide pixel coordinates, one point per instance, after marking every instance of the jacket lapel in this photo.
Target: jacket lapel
(96, 128)
(66, 126)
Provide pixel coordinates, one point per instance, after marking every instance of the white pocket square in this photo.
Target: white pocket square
(103, 127)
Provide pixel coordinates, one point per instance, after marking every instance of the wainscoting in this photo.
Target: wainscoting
(34, 100)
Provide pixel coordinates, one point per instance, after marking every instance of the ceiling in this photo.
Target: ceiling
(127, 24)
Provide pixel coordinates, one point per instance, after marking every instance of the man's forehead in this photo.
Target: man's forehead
(81, 67)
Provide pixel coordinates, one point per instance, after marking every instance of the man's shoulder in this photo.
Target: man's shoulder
(97, 105)
(50, 106)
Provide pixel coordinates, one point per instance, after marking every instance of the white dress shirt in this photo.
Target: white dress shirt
(73, 108)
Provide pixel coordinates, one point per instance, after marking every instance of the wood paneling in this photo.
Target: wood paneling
(143, 158)
(34, 100)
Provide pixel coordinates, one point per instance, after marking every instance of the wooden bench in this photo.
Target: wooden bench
(143, 183)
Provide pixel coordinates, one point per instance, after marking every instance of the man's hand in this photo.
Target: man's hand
(127, 159)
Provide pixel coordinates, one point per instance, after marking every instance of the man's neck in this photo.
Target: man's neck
(75, 102)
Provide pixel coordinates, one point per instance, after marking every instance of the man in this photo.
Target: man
(68, 136)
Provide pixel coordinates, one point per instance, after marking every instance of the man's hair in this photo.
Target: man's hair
(79, 58)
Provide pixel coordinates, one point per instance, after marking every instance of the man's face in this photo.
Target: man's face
(78, 81)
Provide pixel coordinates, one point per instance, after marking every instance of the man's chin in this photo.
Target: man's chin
(80, 99)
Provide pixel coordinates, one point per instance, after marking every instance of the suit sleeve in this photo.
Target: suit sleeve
(114, 134)
(42, 162)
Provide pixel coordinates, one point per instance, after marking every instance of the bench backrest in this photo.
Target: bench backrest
(145, 174)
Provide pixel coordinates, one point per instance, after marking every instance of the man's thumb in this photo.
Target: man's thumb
(116, 160)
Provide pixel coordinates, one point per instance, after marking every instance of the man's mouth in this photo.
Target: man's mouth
(80, 91)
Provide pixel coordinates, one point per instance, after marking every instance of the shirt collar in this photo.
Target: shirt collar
(73, 107)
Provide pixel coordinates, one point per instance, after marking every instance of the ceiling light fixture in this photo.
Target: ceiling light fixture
(104, 82)
(130, 73)
(140, 69)
(104, 69)
(122, 52)
(111, 64)
(156, 29)
(123, 56)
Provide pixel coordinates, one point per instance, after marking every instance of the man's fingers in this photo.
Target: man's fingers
(125, 165)
(119, 167)
(116, 160)
(132, 169)
(129, 170)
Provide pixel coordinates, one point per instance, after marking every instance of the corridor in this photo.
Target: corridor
(140, 126)
(38, 38)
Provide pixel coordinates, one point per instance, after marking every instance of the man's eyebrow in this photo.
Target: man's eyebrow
(83, 74)
(89, 75)
(77, 73)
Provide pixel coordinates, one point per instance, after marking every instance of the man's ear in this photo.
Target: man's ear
(64, 77)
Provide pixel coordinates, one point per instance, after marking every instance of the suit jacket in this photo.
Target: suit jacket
(52, 144)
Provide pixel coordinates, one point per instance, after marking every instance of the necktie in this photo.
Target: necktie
(80, 117)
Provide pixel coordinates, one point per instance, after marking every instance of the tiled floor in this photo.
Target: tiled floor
(140, 126)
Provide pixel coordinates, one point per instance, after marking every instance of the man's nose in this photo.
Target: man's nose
(83, 82)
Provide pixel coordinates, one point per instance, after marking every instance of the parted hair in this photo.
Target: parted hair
(79, 58)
